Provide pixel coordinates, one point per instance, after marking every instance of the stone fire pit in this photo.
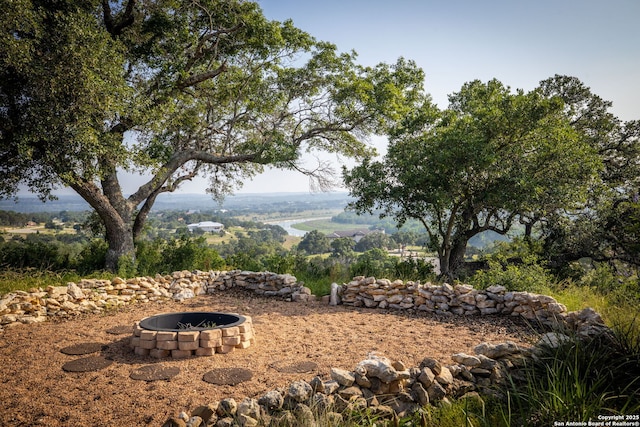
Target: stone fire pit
(185, 334)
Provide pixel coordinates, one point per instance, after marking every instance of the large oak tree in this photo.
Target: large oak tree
(172, 89)
(608, 228)
(492, 158)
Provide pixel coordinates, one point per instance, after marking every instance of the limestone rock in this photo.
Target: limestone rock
(498, 350)
(195, 422)
(206, 412)
(299, 391)
(249, 407)
(271, 400)
(432, 364)
(349, 393)
(419, 394)
(174, 422)
(227, 407)
(426, 377)
(552, 340)
(74, 291)
(444, 377)
(343, 377)
(436, 392)
(330, 387)
(466, 359)
(378, 367)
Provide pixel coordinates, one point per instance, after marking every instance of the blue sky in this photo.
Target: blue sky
(519, 42)
(455, 41)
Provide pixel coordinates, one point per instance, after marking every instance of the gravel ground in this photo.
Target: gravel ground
(293, 341)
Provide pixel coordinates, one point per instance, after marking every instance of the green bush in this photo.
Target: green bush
(373, 262)
(531, 278)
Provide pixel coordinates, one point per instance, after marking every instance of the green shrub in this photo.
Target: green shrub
(92, 257)
(531, 278)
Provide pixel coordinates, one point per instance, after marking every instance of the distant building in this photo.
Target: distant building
(214, 227)
(356, 235)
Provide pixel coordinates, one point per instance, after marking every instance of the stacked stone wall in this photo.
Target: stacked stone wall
(99, 295)
(445, 299)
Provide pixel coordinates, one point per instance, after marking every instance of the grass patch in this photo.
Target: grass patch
(291, 241)
(580, 380)
(615, 309)
(23, 280)
(325, 226)
(319, 286)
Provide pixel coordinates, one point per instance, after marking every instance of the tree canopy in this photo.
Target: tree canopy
(492, 157)
(171, 90)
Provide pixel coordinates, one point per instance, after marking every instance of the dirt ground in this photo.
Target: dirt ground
(34, 389)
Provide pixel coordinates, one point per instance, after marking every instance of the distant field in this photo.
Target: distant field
(327, 227)
(282, 216)
(290, 242)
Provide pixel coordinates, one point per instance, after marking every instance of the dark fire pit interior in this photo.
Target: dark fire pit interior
(186, 334)
(191, 321)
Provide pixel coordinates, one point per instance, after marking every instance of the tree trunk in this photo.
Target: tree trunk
(121, 246)
(452, 258)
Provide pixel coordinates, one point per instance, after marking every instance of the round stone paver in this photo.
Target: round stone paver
(120, 330)
(83, 348)
(154, 373)
(227, 376)
(87, 364)
(302, 367)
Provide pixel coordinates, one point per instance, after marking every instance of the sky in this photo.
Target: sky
(519, 42)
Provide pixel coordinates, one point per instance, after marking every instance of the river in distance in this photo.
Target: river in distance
(287, 224)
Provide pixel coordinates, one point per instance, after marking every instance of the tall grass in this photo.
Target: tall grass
(579, 380)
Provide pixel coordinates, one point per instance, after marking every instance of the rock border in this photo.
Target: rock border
(99, 295)
(385, 387)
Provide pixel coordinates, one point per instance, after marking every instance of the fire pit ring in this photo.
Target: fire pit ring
(191, 321)
(184, 334)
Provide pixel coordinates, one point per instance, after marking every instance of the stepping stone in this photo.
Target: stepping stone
(120, 330)
(83, 348)
(227, 376)
(154, 373)
(87, 364)
(296, 368)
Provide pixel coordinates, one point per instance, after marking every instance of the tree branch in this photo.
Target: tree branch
(199, 78)
(116, 26)
(179, 159)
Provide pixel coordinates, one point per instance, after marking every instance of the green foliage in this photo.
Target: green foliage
(173, 90)
(491, 157)
(92, 256)
(127, 266)
(342, 248)
(471, 411)
(373, 262)
(314, 242)
(375, 240)
(531, 278)
(378, 263)
(175, 254)
(580, 380)
(37, 251)
(515, 265)
(414, 269)
(280, 263)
